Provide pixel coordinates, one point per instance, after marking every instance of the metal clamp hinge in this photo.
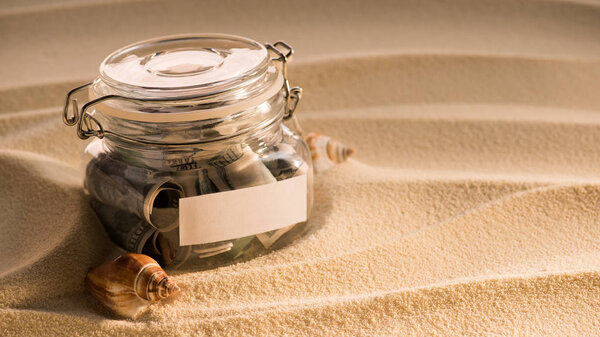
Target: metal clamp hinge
(84, 121)
(293, 95)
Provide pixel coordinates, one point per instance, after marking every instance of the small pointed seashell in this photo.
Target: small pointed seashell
(326, 152)
(129, 284)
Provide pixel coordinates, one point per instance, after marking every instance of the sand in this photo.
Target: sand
(470, 208)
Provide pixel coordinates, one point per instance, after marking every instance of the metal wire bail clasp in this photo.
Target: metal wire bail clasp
(72, 102)
(293, 95)
(81, 118)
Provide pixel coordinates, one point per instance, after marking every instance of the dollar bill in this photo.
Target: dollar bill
(135, 190)
(125, 229)
(238, 167)
(172, 253)
(283, 162)
(212, 249)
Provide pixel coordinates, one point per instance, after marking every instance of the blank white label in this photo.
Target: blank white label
(238, 213)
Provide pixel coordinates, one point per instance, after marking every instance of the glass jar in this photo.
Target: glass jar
(197, 159)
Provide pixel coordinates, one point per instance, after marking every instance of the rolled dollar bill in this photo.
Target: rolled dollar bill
(131, 189)
(212, 249)
(283, 161)
(125, 229)
(239, 246)
(188, 180)
(167, 243)
(238, 167)
(191, 175)
(205, 185)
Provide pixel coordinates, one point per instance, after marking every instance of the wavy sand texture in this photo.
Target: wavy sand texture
(470, 208)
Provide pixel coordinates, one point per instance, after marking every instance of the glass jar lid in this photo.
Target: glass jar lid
(184, 78)
(184, 65)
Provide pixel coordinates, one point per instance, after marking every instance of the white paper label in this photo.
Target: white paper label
(238, 213)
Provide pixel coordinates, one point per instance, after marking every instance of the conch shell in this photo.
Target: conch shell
(326, 152)
(129, 284)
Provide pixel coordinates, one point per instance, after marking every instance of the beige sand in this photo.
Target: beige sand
(470, 208)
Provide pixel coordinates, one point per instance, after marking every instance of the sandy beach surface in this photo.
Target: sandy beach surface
(471, 206)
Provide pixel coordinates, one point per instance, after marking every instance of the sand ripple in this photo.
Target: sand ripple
(471, 206)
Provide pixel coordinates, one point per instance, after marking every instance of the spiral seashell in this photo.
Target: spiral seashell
(326, 152)
(129, 284)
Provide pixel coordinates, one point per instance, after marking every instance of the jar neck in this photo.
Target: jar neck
(168, 157)
(198, 130)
